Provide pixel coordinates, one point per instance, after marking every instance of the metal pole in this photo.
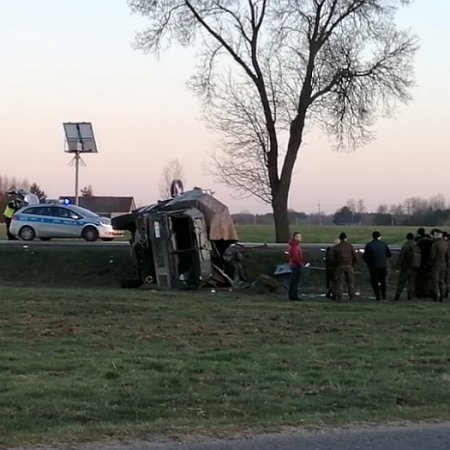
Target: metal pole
(80, 147)
(77, 162)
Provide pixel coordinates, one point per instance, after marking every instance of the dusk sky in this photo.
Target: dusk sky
(73, 60)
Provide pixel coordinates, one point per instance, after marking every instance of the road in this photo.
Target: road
(116, 244)
(396, 437)
(63, 243)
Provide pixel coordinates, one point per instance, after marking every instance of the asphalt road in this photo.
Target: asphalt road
(398, 437)
(115, 244)
(63, 243)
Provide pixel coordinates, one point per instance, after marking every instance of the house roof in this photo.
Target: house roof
(104, 204)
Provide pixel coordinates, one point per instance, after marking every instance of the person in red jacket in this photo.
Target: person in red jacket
(295, 263)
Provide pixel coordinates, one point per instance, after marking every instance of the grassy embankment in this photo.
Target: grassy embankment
(97, 265)
(100, 265)
(88, 364)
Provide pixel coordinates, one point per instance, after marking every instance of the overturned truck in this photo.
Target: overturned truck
(180, 242)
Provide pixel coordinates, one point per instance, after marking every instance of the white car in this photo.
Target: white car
(54, 220)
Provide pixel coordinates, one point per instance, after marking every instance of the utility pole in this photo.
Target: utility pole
(319, 213)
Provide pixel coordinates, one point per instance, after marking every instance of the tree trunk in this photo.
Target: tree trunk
(280, 194)
(280, 216)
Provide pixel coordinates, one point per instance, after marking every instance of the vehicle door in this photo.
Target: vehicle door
(204, 247)
(190, 246)
(66, 223)
(39, 218)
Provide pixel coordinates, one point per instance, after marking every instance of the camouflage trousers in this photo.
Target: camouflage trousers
(406, 277)
(438, 283)
(344, 272)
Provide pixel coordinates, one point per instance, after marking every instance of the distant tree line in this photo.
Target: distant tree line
(414, 211)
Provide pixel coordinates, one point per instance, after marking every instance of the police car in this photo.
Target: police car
(46, 221)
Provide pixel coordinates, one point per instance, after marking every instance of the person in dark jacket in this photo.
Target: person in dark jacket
(295, 263)
(376, 254)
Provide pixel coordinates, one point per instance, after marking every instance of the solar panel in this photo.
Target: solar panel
(79, 137)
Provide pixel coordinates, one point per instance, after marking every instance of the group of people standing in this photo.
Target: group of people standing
(341, 260)
(428, 276)
(423, 266)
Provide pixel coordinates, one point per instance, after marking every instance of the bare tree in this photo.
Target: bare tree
(361, 207)
(270, 69)
(396, 210)
(437, 202)
(351, 205)
(172, 171)
(356, 207)
(415, 206)
(35, 189)
(87, 191)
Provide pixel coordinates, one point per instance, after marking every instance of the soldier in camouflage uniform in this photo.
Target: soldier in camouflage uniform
(408, 263)
(438, 265)
(344, 260)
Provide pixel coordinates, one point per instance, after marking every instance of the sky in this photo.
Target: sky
(74, 61)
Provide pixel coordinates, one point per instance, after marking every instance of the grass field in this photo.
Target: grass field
(88, 364)
(326, 233)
